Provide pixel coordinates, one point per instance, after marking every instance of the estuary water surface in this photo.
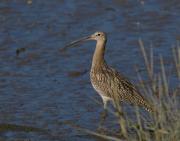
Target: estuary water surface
(42, 88)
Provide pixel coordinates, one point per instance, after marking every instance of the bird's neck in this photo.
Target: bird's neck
(98, 57)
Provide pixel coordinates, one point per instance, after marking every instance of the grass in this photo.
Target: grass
(164, 124)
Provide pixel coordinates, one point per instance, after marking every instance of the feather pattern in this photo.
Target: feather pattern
(110, 83)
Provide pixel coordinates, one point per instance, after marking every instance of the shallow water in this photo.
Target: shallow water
(44, 88)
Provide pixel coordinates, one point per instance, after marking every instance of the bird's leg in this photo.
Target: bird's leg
(121, 118)
(103, 114)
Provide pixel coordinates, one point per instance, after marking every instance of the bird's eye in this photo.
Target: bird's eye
(98, 34)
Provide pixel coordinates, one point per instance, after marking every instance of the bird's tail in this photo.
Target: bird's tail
(143, 102)
(149, 107)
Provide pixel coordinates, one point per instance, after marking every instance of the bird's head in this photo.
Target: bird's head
(98, 36)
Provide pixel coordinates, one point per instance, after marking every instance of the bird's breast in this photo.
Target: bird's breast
(98, 82)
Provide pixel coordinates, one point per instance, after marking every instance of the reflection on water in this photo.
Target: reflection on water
(41, 87)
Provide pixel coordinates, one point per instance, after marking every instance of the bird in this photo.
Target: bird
(108, 82)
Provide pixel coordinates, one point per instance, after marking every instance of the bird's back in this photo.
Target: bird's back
(110, 83)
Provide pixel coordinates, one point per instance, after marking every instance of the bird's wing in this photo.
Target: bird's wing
(124, 90)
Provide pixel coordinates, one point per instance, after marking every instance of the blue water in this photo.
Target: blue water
(40, 88)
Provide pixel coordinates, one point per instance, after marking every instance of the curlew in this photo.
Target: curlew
(109, 83)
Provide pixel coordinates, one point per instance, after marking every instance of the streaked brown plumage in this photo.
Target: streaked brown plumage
(110, 84)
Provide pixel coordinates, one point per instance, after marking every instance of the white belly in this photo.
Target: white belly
(101, 93)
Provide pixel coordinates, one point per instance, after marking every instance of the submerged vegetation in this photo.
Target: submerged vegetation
(164, 123)
(4, 127)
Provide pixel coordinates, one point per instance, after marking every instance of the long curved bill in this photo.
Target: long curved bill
(76, 42)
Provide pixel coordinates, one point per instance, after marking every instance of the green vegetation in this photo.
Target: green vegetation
(164, 123)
